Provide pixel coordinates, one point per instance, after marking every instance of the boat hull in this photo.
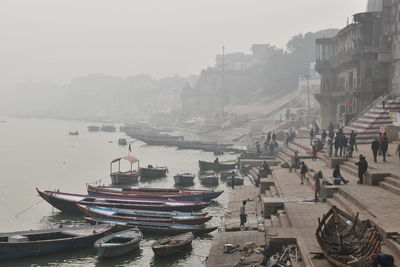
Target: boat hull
(152, 173)
(69, 206)
(160, 248)
(183, 180)
(42, 247)
(211, 166)
(124, 178)
(154, 228)
(108, 246)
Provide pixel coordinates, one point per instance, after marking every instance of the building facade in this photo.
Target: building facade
(355, 66)
(309, 85)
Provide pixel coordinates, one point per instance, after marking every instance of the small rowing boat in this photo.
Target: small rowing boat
(184, 178)
(153, 172)
(153, 228)
(173, 245)
(119, 243)
(214, 166)
(124, 214)
(39, 242)
(209, 178)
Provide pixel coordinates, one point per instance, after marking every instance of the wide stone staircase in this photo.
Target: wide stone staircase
(391, 183)
(368, 123)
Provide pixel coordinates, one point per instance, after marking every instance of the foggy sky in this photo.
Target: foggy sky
(60, 39)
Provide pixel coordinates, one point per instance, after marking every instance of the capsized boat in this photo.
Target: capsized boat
(153, 228)
(125, 214)
(347, 241)
(184, 178)
(66, 202)
(214, 166)
(173, 245)
(124, 177)
(39, 242)
(119, 243)
(153, 172)
(156, 193)
(209, 178)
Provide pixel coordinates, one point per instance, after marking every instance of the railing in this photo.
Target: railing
(375, 102)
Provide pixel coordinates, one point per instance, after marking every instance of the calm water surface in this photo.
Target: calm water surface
(40, 153)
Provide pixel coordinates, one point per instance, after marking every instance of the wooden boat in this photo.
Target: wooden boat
(108, 128)
(124, 214)
(347, 241)
(220, 166)
(73, 132)
(173, 245)
(122, 142)
(93, 128)
(67, 202)
(153, 172)
(204, 195)
(238, 180)
(209, 178)
(119, 243)
(39, 242)
(153, 228)
(124, 177)
(184, 178)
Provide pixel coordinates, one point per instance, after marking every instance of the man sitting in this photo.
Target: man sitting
(337, 175)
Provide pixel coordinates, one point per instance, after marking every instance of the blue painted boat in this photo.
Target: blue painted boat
(39, 242)
(125, 214)
(119, 243)
(155, 228)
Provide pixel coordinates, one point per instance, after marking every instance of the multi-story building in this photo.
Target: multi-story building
(355, 65)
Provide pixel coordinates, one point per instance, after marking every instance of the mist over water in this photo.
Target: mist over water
(40, 153)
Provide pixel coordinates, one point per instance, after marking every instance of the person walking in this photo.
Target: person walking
(330, 147)
(336, 144)
(362, 168)
(233, 180)
(303, 171)
(375, 147)
(380, 139)
(317, 185)
(314, 150)
(384, 146)
(311, 136)
(242, 213)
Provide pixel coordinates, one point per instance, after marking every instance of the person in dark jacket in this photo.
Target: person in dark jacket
(353, 140)
(336, 144)
(384, 146)
(303, 171)
(383, 260)
(362, 168)
(338, 175)
(375, 147)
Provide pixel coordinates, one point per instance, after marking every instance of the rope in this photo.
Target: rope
(29, 208)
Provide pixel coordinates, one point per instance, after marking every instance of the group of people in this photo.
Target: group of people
(269, 146)
(380, 146)
(340, 145)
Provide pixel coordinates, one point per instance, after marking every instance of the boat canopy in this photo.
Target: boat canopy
(131, 159)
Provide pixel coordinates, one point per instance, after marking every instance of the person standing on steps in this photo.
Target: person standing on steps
(317, 185)
(233, 180)
(311, 136)
(314, 150)
(398, 150)
(242, 214)
(375, 147)
(362, 169)
(384, 146)
(303, 171)
(353, 140)
(336, 144)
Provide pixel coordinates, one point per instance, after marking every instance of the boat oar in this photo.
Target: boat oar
(29, 208)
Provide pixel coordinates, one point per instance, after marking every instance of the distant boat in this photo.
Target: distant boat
(124, 177)
(209, 178)
(153, 172)
(108, 128)
(17, 245)
(73, 133)
(125, 214)
(154, 228)
(122, 142)
(184, 178)
(3, 121)
(220, 166)
(173, 245)
(238, 180)
(67, 202)
(119, 243)
(93, 128)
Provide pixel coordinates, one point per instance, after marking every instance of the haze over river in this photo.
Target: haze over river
(40, 153)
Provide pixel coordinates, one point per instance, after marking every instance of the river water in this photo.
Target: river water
(40, 153)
